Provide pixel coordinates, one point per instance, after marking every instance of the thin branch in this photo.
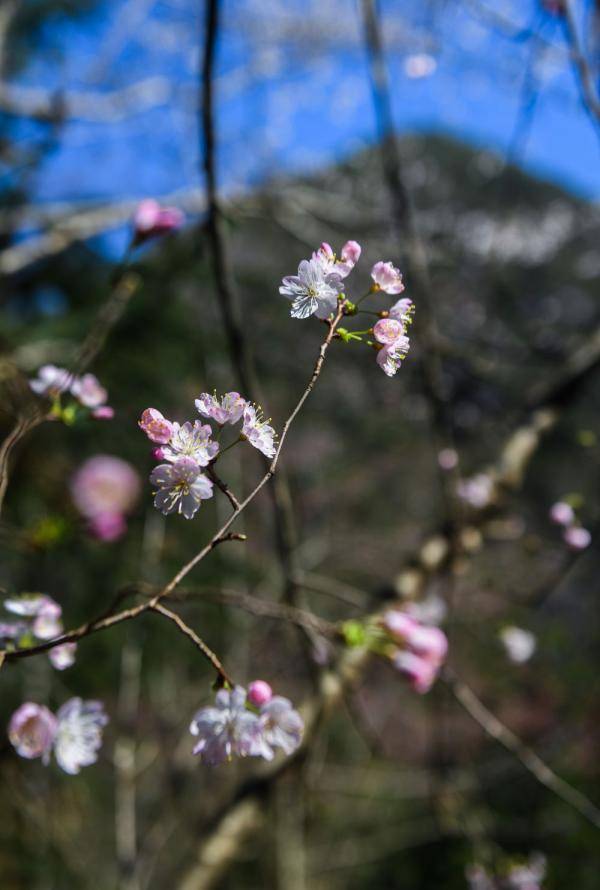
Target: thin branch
(198, 642)
(212, 474)
(220, 537)
(528, 757)
(583, 73)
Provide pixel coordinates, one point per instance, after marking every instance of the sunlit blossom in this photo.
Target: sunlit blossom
(191, 440)
(343, 264)
(313, 291)
(181, 487)
(157, 428)
(228, 410)
(258, 431)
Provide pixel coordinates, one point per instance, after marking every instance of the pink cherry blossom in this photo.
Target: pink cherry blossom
(88, 391)
(108, 526)
(150, 220)
(399, 624)
(228, 410)
(342, 265)
(429, 643)
(258, 432)
(47, 624)
(105, 485)
(259, 693)
(388, 331)
(32, 730)
(390, 358)
(191, 440)
(420, 673)
(51, 379)
(402, 310)
(228, 729)
(577, 538)
(157, 428)
(562, 513)
(387, 277)
(63, 656)
(181, 487)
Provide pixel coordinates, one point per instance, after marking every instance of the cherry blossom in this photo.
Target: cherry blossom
(228, 410)
(63, 656)
(157, 428)
(104, 489)
(32, 730)
(191, 440)
(89, 391)
(227, 729)
(387, 277)
(181, 487)
(151, 220)
(519, 644)
(51, 379)
(258, 432)
(282, 726)
(342, 265)
(313, 290)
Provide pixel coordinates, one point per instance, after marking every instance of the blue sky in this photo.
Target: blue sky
(293, 92)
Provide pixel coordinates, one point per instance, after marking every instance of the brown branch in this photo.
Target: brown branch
(198, 642)
(212, 474)
(528, 757)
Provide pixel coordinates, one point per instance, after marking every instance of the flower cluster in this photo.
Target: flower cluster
(419, 650)
(246, 724)
(52, 382)
(104, 490)
(74, 733)
(40, 621)
(574, 534)
(319, 288)
(186, 449)
(513, 875)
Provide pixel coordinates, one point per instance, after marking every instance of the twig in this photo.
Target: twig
(584, 76)
(220, 537)
(212, 474)
(528, 757)
(198, 642)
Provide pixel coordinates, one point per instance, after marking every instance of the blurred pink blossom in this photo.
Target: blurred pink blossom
(63, 656)
(89, 391)
(104, 489)
(562, 513)
(31, 731)
(577, 537)
(151, 220)
(104, 412)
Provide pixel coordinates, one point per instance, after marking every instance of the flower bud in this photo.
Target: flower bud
(259, 693)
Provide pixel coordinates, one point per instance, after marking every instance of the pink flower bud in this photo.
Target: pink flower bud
(399, 624)
(259, 693)
(562, 513)
(31, 731)
(157, 428)
(351, 252)
(388, 331)
(387, 278)
(150, 220)
(104, 412)
(577, 538)
(158, 453)
(108, 526)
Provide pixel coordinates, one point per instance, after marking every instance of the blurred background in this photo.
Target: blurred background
(459, 139)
